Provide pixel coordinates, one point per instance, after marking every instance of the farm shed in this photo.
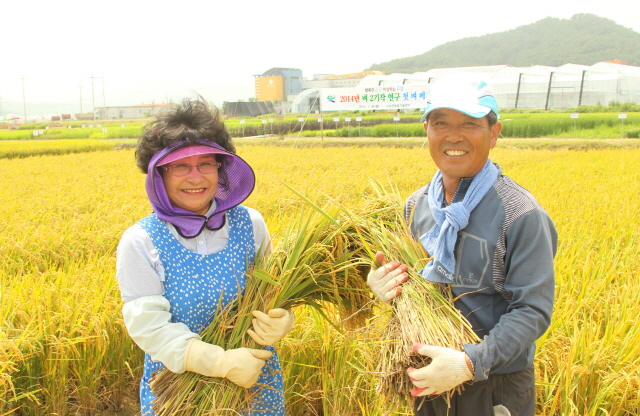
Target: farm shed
(248, 109)
(132, 111)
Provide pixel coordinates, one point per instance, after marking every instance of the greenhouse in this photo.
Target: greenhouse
(306, 101)
(535, 87)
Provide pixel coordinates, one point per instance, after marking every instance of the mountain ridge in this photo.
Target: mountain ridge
(584, 39)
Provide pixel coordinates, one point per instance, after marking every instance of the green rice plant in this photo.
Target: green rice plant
(633, 133)
(603, 125)
(89, 131)
(15, 134)
(525, 125)
(29, 148)
(399, 130)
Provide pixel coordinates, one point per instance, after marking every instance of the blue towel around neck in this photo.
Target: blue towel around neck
(440, 240)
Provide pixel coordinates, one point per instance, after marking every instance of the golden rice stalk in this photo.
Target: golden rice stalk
(309, 267)
(423, 313)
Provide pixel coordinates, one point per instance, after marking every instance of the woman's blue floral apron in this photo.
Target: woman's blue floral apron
(192, 285)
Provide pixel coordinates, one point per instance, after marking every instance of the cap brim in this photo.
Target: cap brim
(189, 151)
(472, 110)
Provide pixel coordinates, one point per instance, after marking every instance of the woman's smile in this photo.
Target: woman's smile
(194, 191)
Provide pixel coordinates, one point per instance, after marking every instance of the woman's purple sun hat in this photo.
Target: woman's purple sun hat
(235, 184)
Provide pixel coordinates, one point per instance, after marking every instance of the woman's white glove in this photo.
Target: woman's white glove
(385, 282)
(271, 327)
(148, 320)
(242, 366)
(448, 369)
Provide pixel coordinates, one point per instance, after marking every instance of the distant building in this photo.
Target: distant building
(132, 111)
(307, 99)
(284, 85)
(248, 109)
(85, 116)
(277, 84)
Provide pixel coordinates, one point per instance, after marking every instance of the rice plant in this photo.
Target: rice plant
(62, 216)
(309, 267)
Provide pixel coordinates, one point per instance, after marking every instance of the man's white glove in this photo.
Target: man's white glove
(385, 282)
(242, 366)
(271, 327)
(448, 369)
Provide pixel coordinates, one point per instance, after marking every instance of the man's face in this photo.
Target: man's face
(459, 144)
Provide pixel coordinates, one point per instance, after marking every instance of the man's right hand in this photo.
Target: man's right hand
(385, 281)
(242, 366)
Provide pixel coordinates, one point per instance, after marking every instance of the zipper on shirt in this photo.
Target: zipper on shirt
(455, 194)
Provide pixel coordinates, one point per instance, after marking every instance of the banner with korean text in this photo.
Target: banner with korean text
(386, 97)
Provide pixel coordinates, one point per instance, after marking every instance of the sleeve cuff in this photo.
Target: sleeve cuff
(480, 373)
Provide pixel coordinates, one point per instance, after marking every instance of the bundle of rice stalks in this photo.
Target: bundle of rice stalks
(328, 371)
(309, 267)
(424, 312)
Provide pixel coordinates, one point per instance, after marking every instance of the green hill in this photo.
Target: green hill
(584, 39)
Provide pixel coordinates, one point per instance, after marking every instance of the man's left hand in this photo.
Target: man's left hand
(447, 370)
(271, 327)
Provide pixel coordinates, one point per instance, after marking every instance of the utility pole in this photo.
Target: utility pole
(80, 98)
(24, 101)
(93, 97)
(104, 106)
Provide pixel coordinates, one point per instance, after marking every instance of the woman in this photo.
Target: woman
(177, 264)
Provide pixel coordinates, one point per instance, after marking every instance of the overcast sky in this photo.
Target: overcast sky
(148, 51)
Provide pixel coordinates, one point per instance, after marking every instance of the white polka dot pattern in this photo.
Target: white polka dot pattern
(194, 283)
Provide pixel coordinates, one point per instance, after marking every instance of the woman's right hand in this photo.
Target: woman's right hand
(241, 366)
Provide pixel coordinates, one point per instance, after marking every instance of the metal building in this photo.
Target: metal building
(278, 83)
(131, 111)
(248, 109)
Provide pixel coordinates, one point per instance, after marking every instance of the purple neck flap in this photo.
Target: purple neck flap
(240, 181)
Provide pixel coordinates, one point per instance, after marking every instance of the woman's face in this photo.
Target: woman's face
(194, 191)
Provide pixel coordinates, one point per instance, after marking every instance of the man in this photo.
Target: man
(493, 243)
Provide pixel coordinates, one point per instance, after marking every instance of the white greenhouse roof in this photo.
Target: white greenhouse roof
(534, 87)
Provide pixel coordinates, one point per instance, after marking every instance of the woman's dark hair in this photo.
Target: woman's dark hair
(192, 120)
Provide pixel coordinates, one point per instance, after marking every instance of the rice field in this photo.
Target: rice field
(65, 352)
(372, 124)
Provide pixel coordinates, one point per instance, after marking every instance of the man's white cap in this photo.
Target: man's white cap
(468, 95)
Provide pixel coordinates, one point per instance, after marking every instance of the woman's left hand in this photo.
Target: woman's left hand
(271, 327)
